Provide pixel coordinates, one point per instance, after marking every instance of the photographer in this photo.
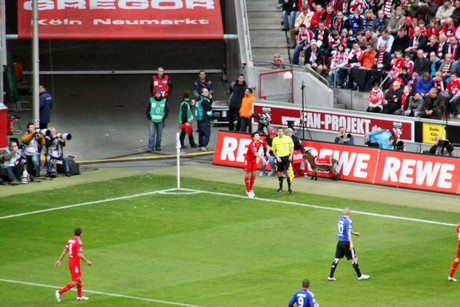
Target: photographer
(54, 151)
(442, 147)
(344, 138)
(13, 162)
(34, 142)
(263, 120)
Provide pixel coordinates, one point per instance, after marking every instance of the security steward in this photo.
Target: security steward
(283, 149)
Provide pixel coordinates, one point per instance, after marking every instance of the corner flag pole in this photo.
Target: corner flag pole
(178, 159)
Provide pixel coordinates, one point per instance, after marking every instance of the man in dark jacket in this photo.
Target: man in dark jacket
(202, 82)
(421, 64)
(434, 105)
(393, 96)
(46, 105)
(237, 89)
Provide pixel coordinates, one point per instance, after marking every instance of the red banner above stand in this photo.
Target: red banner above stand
(123, 19)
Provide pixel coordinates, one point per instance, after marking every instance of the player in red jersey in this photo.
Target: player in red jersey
(457, 258)
(75, 248)
(250, 162)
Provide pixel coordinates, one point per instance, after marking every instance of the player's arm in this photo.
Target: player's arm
(355, 233)
(291, 151)
(267, 150)
(58, 263)
(84, 259)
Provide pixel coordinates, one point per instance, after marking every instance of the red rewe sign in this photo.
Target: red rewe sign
(123, 19)
(362, 164)
(331, 121)
(432, 173)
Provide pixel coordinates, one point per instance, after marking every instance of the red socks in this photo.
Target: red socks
(79, 289)
(453, 269)
(66, 288)
(251, 184)
(247, 182)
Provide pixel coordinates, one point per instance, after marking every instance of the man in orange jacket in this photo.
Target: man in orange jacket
(246, 110)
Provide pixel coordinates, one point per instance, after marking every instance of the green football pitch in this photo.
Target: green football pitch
(208, 245)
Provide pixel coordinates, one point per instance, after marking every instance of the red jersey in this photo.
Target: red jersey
(453, 86)
(253, 148)
(458, 231)
(74, 246)
(161, 84)
(397, 64)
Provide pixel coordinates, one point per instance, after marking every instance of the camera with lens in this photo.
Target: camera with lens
(263, 120)
(44, 132)
(64, 136)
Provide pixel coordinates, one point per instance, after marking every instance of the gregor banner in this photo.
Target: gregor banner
(123, 19)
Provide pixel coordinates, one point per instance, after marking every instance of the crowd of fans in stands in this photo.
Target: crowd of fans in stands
(408, 48)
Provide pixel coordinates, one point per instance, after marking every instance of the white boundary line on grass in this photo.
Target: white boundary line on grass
(176, 191)
(329, 208)
(87, 203)
(99, 292)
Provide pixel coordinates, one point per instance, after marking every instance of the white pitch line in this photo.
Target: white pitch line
(331, 208)
(146, 299)
(193, 191)
(86, 203)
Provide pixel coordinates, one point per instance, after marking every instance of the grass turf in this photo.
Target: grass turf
(215, 250)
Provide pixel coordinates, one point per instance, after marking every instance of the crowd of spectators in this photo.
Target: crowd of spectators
(409, 48)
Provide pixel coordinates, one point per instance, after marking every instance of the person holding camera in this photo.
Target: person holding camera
(157, 111)
(34, 142)
(442, 147)
(13, 162)
(344, 138)
(54, 151)
(246, 110)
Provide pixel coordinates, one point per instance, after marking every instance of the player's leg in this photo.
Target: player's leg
(339, 253)
(80, 296)
(288, 179)
(247, 176)
(356, 266)
(253, 178)
(453, 268)
(279, 173)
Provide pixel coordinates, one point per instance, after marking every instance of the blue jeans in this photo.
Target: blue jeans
(64, 160)
(270, 161)
(33, 164)
(336, 77)
(297, 51)
(155, 132)
(204, 133)
(286, 19)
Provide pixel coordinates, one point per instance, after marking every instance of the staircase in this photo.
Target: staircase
(265, 26)
(265, 29)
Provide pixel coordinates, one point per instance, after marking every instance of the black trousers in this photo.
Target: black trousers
(234, 115)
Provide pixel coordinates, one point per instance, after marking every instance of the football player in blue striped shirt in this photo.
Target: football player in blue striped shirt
(345, 246)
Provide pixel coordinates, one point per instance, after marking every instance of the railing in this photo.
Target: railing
(296, 68)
